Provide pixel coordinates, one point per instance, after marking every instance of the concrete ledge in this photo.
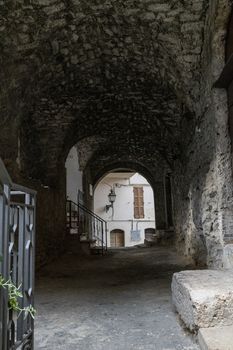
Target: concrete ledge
(216, 338)
(204, 298)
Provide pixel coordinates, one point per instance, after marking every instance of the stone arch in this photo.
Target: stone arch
(118, 72)
(119, 51)
(155, 180)
(123, 165)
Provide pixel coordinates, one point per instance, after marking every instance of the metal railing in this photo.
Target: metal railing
(17, 248)
(87, 225)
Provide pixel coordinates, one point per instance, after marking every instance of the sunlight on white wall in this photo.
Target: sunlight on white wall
(73, 175)
(122, 217)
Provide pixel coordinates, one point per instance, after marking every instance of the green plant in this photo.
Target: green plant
(13, 298)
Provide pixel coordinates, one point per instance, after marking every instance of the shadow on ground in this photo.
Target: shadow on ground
(121, 301)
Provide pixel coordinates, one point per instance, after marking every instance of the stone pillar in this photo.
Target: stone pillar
(160, 206)
(169, 204)
(50, 219)
(88, 191)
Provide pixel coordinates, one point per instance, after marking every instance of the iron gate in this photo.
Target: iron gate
(17, 248)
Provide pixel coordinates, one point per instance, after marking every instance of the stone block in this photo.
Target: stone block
(203, 298)
(228, 256)
(159, 7)
(216, 338)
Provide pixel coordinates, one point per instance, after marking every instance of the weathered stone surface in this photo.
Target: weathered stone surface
(100, 64)
(130, 82)
(228, 256)
(203, 181)
(216, 338)
(203, 298)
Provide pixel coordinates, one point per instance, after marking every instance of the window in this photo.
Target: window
(138, 203)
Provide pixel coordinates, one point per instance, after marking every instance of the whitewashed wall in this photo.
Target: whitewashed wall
(123, 217)
(73, 175)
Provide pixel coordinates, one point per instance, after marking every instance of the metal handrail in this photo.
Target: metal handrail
(91, 225)
(87, 210)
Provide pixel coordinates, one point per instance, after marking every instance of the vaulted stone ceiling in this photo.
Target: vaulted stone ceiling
(123, 71)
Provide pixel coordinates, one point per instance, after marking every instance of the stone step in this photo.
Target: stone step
(216, 338)
(97, 251)
(204, 298)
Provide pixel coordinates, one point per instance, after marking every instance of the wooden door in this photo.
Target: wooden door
(117, 239)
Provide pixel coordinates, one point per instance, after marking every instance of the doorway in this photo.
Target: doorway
(149, 234)
(117, 238)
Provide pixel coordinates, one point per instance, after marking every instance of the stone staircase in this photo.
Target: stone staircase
(86, 232)
(216, 338)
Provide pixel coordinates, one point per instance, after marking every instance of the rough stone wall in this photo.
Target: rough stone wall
(51, 218)
(66, 62)
(203, 181)
(128, 80)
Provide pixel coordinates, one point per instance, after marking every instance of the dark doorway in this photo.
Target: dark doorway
(149, 234)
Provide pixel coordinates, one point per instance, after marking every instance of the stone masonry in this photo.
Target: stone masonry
(129, 82)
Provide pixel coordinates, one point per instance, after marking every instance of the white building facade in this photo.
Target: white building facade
(74, 184)
(133, 214)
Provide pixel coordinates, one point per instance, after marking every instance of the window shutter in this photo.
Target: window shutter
(138, 203)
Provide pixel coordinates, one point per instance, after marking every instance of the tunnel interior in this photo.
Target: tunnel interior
(129, 84)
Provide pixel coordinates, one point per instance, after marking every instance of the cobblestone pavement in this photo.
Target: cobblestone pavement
(118, 302)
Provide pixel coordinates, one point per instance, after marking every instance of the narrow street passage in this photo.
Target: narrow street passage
(121, 301)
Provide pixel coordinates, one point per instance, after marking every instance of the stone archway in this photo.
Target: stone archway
(137, 78)
(96, 171)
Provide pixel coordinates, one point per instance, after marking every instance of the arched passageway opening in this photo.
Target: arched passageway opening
(133, 207)
(117, 80)
(121, 85)
(86, 182)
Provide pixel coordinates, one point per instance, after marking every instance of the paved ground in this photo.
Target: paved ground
(116, 302)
